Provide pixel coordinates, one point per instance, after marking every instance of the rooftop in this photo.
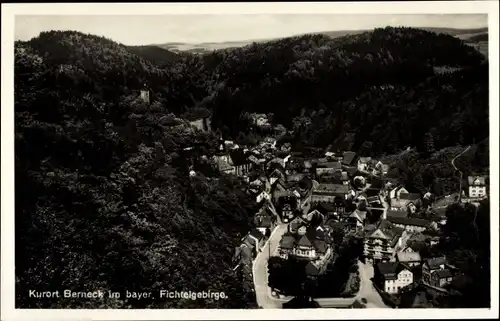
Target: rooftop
(408, 257)
(436, 262)
(331, 188)
(409, 221)
(409, 196)
(390, 270)
(477, 180)
(348, 157)
(392, 213)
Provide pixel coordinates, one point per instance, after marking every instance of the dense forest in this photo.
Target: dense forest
(103, 199)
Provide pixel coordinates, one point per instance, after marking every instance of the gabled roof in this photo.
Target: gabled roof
(304, 241)
(320, 246)
(390, 270)
(287, 242)
(434, 263)
(389, 231)
(312, 269)
(408, 257)
(359, 215)
(409, 196)
(481, 180)
(257, 234)
(444, 273)
(331, 189)
(351, 171)
(392, 213)
(409, 221)
(334, 165)
(348, 157)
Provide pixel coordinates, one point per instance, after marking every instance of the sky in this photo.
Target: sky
(159, 29)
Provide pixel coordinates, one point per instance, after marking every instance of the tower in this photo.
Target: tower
(145, 94)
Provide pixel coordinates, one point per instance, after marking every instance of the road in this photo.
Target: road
(259, 269)
(260, 272)
(366, 289)
(384, 202)
(267, 301)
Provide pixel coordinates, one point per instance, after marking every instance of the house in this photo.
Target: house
(308, 243)
(260, 120)
(239, 160)
(202, 123)
(287, 204)
(262, 196)
(360, 217)
(380, 169)
(339, 205)
(243, 255)
(145, 95)
(270, 142)
(294, 166)
(381, 242)
(364, 163)
(437, 272)
(256, 163)
(347, 158)
(328, 192)
(410, 224)
(330, 178)
(222, 163)
(411, 259)
(255, 240)
(477, 186)
(295, 224)
(266, 219)
(395, 192)
(391, 277)
(297, 177)
(329, 210)
(328, 168)
(406, 202)
(344, 177)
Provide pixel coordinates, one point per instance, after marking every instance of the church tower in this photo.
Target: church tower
(145, 94)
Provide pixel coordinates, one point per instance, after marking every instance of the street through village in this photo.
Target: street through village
(266, 300)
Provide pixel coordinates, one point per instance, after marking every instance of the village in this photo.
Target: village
(301, 198)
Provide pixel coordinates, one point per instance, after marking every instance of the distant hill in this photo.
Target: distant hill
(157, 55)
(206, 47)
(479, 38)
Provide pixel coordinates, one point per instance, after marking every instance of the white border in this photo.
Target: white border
(431, 7)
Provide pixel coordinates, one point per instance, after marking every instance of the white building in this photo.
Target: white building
(477, 186)
(391, 277)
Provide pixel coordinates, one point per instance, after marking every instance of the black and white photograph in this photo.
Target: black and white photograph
(188, 158)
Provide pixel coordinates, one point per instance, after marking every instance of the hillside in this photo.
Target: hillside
(103, 199)
(155, 54)
(207, 47)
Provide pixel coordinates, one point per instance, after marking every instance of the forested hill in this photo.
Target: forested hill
(103, 200)
(103, 197)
